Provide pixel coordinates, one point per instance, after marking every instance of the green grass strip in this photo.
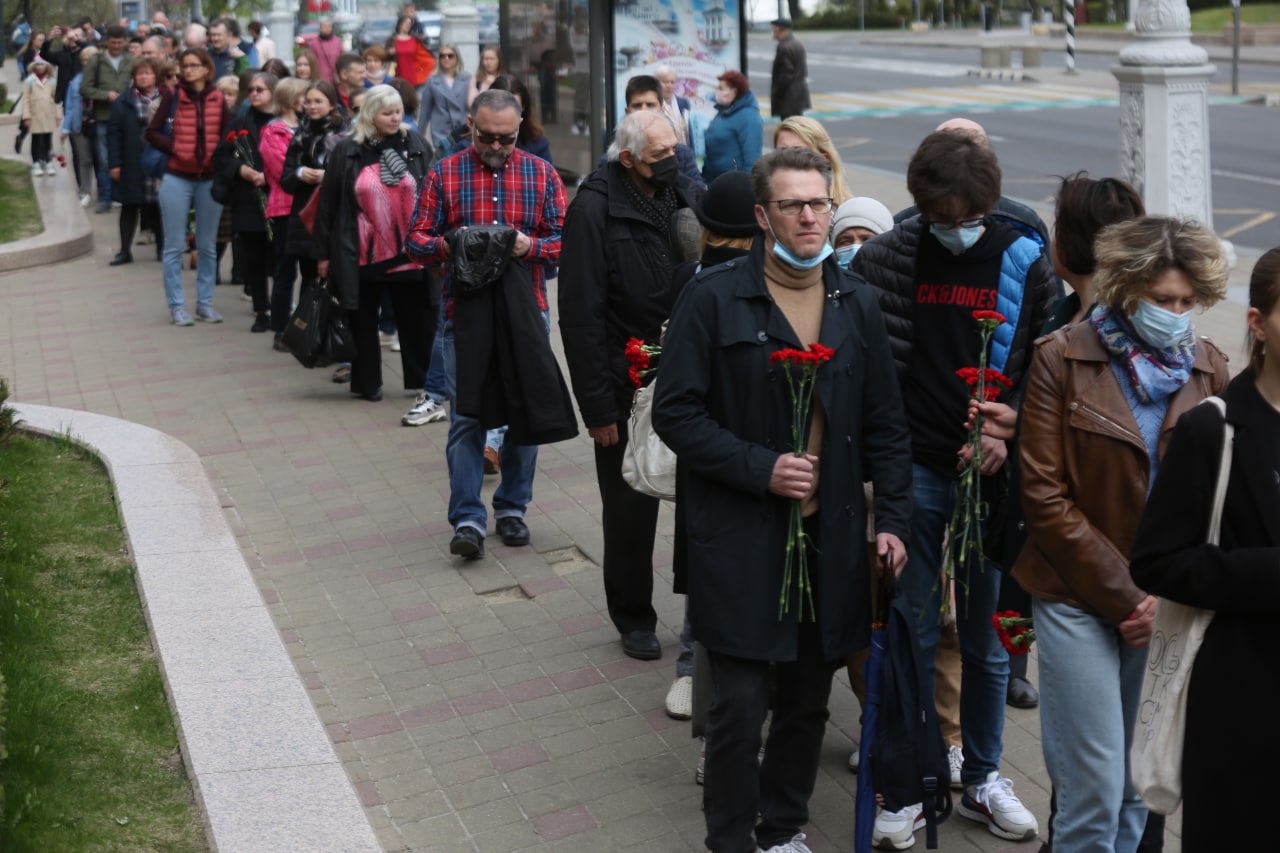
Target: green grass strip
(19, 212)
(93, 760)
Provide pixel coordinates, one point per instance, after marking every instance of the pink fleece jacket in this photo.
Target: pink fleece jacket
(272, 146)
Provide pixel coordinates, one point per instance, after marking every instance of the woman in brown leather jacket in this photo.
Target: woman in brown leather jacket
(1102, 398)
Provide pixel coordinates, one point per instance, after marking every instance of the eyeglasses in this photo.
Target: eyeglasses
(952, 226)
(793, 206)
(489, 138)
(259, 89)
(448, 55)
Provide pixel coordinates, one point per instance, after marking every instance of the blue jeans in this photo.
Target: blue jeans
(464, 451)
(436, 385)
(1090, 686)
(984, 673)
(103, 164)
(177, 195)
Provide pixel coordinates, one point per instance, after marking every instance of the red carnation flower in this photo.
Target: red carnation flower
(988, 315)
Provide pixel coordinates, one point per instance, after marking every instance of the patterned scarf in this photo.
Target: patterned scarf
(657, 210)
(1155, 373)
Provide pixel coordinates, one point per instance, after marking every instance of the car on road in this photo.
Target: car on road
(430, 23)
(373, 31)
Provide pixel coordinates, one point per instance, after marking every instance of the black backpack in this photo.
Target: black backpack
(908, 758)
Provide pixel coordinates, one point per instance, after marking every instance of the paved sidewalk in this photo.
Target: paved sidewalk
(477, 707)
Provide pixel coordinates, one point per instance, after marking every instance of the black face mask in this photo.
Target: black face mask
(662, 174)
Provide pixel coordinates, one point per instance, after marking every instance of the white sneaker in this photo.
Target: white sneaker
(145, 238)
(955, 758)
(425, 411)
(85, 199)
(993, 803)
(795, 845)
(387, 340)
(36, 170)
(853, 759)
(680, 698)
(700, 772)
(897, 830)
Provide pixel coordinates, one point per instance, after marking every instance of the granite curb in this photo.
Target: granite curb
(67, 233)
(277, 785)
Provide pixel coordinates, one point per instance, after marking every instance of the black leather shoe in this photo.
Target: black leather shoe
(1021, 694)
(261, 323)
(641, 645)
(121, 259)
(513, 531)
(467, 543)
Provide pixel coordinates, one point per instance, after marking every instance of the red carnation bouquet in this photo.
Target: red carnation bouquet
(801, 369)
(641, 357)
(239, 139)
(963, 549)
(1014, 630)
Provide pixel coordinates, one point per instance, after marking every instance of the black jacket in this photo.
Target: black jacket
(615, 283)
(507, 373)
(337, 237)
(246, 210)
(124, 148)
(310, 147)
(1234, 673)
(888, 261)
(726, 412)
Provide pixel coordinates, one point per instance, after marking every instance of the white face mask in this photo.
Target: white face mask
(1158, 327)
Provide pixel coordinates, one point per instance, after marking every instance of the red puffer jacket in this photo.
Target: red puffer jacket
(198, 121)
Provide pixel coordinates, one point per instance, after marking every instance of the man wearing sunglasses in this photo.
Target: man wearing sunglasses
(722, 402)
(931, 272)
(491, 182)
(620, 253)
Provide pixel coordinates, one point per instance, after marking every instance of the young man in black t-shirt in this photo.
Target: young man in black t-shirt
(932, 271)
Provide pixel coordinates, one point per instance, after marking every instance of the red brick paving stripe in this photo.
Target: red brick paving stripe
(424, 715)
(562, 824)
(582, 624)
(327, 486)
(660, 721)
(368, 792)
(518, 757)
(477, 703)
(447, 654)
(269, 596)
(399, 537)
(337, 733)
(282, 558)
(378, 724)
(416, 613)
(538, 586)
(527, 690)
(365, 543)
(312, 681)
(577, 679)
(290, 635)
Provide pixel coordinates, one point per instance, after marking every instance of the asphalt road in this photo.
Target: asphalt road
(878, 100)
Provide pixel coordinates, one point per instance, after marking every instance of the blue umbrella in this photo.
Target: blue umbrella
(864, 809)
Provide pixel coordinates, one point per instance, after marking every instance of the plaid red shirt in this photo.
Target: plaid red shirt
(526, 194)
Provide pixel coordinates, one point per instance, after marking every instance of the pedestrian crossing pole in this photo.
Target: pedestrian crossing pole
(1069, 13)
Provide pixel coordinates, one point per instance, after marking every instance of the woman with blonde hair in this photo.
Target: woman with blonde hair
(442, 112)
(1101, 401)
(805, 132)
(367, 199)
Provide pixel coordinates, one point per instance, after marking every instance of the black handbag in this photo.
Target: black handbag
(317, 333)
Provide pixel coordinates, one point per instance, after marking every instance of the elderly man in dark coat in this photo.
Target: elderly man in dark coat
(789, 83)
(725, 408)
(615, 284)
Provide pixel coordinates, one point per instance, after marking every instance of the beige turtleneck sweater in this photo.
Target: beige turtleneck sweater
(799, 294)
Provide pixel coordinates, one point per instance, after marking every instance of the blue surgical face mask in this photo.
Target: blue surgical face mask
(844, 255)
(784, 254)
(957, 240)
(1157, 327)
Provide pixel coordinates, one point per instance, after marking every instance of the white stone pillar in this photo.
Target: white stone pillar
(280, 22)
(461, 26)
(1164, 114)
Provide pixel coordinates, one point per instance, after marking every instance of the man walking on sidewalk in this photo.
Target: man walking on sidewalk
(789, 83)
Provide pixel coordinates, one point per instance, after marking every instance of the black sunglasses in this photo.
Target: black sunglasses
(489, 138)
